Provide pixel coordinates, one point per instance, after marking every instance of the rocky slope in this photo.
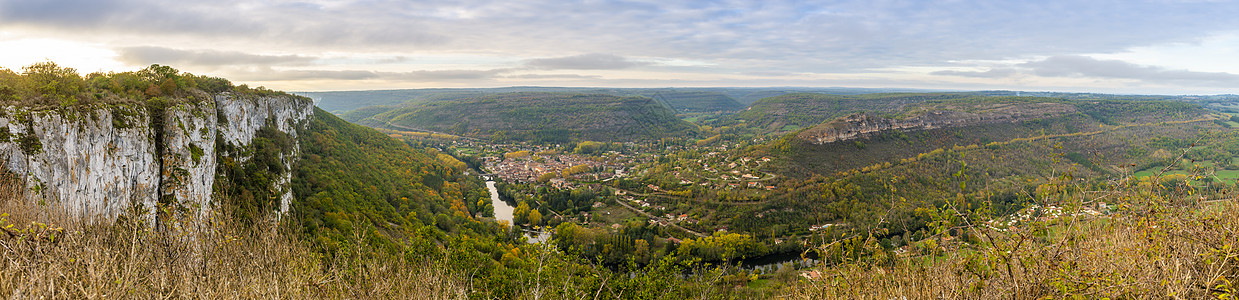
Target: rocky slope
(103, 161)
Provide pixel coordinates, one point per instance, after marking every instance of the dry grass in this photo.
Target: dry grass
(1157, 246)
(46, 254)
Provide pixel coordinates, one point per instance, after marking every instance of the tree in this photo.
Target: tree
(54, 83)
(535, 218)
(9, 84)
(520, 215)
(545, 177)
(577, 169)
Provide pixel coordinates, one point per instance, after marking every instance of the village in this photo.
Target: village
(529, 168)
(651, 183)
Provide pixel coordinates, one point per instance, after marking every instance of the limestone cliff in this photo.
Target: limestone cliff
(864, 124)
(101, 162)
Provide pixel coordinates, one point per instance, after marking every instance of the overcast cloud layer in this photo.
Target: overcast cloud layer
(1111, 46)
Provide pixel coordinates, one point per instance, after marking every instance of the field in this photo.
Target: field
(1207, 169)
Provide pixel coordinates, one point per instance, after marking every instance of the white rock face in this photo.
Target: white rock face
(189, 155)
(89, 164)
(244, 116)
(104, 162)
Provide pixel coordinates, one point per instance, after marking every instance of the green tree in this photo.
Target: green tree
(545, 177)
(54, 83)
(520, 215)
(535, 218)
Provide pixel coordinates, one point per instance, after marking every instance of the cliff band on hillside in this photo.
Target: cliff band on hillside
(98, 163)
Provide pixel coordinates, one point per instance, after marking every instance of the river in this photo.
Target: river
(503, 212)
(773, 262)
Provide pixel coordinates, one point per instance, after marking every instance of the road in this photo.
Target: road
(652, 217)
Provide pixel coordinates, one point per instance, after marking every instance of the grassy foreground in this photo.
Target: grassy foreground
(48, 255)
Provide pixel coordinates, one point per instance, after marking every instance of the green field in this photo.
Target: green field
(1184, 169)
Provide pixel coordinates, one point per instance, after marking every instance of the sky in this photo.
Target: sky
(1127, 47)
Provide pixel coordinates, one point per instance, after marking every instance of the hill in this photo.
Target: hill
(694, 101)
(340, 102)
(540, 117)
(847, 169)
(793, 112)
(678, 99)
(864, 139)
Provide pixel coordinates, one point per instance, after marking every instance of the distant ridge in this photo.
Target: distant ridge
(537, 117)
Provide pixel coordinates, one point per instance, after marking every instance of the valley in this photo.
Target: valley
(772, 199)
(787, 191)
(646, 150)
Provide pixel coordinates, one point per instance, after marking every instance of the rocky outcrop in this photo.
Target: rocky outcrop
(241, 118)
(102, 162)
(95, 164)
(866, 124)
(188, 167)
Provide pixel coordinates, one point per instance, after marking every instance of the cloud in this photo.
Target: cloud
(552, 76)
(1083, 66)
(267, 74)
(592, 61)
(158, 55)
(748, 38)
(991, 73)
(774, 35)
(229, 21)
(770, 73)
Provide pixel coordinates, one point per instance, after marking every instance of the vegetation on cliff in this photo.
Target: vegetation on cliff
(47, 85)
